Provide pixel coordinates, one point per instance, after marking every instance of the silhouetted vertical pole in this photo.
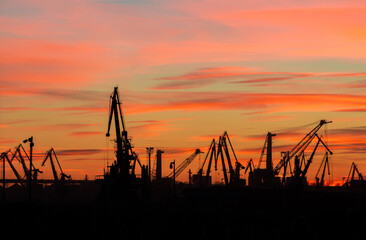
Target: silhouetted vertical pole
(30, 140)
(4, 177)
(172, 165)
(174, 182)
(190, 178)
(30, 169)
(149, 151)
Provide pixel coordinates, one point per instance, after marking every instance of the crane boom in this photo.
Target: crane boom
(49, 156)
(299, 148)
(4, 156)
(250, 166)
(212, 153)
(185, 164)
(304, 172)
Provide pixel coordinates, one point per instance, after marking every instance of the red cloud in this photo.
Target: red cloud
(149, 128)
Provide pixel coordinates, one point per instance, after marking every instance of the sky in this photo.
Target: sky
(186, 72)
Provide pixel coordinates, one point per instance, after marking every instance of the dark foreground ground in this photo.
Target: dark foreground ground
(207, 213)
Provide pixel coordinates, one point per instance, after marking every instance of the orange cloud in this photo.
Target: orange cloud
(251, 101)
(149, 128)
(297, 31)
(230, 100)
(85, 134)
(57, 64)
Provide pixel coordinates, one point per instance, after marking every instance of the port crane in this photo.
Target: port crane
(51, 155)
(267, 150)
(180, 168)
(325, 165)
(18, 154)
(5, 157)
(211, 155)
(250, 166)
(351, 174)
(223, 152)
(302, 173)
(123, 167)
(297, 151)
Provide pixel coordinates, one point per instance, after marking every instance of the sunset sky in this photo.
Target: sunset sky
(186, 71)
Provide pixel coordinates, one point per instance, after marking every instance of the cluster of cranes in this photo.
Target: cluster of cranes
(292, 168)
(28, 175)
(293, 162)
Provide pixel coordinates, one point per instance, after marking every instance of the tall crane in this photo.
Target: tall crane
(58, 179)
(223, 152)
(204, 180)
(211, 155)
(124, 154)
(297, 150)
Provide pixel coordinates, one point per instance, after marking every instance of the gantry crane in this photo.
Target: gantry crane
(297, 150)
(58, 179)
